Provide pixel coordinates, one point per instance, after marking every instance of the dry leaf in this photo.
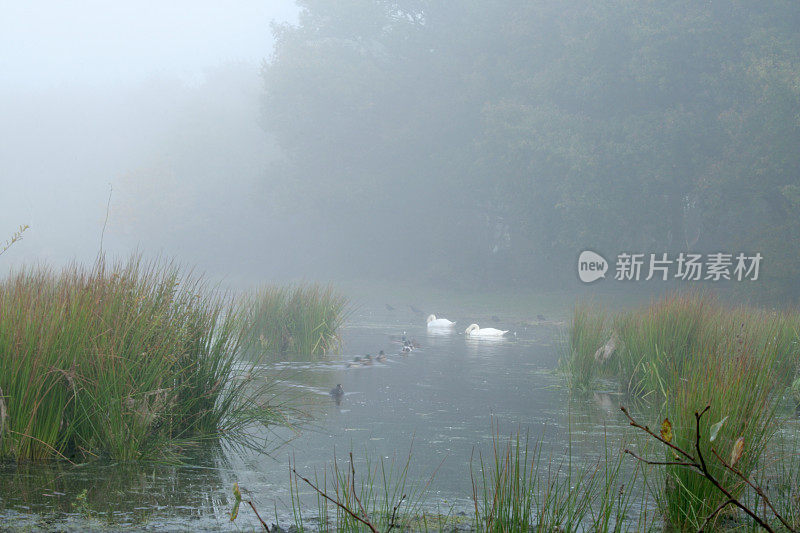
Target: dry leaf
(737, 451)
(666, 430)
(715, 429)
(238, 495)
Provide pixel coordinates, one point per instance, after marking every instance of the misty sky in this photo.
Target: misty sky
(148, 97)
(51, 43)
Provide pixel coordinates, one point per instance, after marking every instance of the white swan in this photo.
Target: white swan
(474, 330)
(434, 322)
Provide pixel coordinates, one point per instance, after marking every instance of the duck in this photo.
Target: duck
(406, 347)
(381, 357)
(434, 322)
(367, 359)
(337, 392)
(354, 362)
(474, 330)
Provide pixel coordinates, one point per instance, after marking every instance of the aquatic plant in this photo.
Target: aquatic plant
(520, 490)
(379, 499)
(128, 360)
(683, 457)
(686, 350)
(304, 319)
(15, 237)
(587, 331)
(655, 343)
(738, 377)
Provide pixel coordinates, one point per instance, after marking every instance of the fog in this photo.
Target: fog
(155, 106)
(474, 144)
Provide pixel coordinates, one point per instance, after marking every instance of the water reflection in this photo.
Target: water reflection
(439, 400)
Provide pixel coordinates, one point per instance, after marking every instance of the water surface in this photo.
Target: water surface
(438, 403)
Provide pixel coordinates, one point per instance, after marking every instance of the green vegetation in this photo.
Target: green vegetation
(520, 491)
(129, 361)
(685, 351)
(378, 497)
(517, 490)
(303, 319)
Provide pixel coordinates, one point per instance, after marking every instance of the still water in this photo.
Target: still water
(438, 403)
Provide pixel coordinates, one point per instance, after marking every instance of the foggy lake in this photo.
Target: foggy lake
(210, 215)
(437, 404)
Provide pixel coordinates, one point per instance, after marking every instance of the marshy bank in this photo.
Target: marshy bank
(137, 360)
(418, 424)
(679, 355)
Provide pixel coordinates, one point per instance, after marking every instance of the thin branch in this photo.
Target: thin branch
(266, 527)
(337, 503)
(698, 464)
(719, 508)
(394, 514)
(755, 487)
(665, 463)
(646, 429)
(353, 488)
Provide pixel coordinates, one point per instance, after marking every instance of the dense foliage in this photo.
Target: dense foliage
(131, 360)
(542, 128)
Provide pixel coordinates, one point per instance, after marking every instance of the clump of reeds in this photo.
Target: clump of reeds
(588, 331)
(377, 498)
(123, 360)
(303, 319)
(519, 490)
(654, 343)
(687, 350)
(737, 377)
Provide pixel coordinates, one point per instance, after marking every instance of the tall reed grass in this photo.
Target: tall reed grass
(377, 492)
(303, 319)
(516, 489)
(686, 351)
(655, 342)
(125, 360)
(520, 490)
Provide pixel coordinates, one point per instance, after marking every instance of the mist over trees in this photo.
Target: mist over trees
(492, 141)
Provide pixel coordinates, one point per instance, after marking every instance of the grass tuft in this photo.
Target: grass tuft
(304, 319)
(130, 360)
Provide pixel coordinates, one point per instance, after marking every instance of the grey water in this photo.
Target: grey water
(435, 407)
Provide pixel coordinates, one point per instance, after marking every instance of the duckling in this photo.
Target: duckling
(381, 357)
(337, 391)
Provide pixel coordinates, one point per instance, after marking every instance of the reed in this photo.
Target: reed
(688, 350)
(130, 360)
(375, 496)
(655, 343)
(303, 319)
(521, 490)
(588, 330)
(737, 378)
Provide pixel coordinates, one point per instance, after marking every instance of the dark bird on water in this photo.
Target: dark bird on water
(540, 317)
(389, 307)
(417, 311)
(337, 393)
